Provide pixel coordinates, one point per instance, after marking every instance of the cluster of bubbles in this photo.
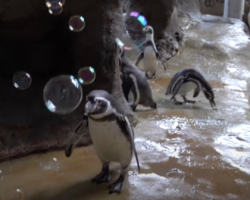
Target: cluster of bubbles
(133, 43)
(63, 94)
(55, 7)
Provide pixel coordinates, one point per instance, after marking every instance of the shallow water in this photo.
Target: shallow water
(186, 152)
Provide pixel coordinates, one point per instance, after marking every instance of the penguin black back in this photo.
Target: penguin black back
(134, 79)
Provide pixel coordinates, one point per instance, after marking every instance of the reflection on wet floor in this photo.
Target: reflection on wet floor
(186, 152)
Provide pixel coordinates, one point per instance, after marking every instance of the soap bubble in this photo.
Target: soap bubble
(134, 25)
(121, 44)
(55, 6)
(76, 23)
(86, 75)
(139, 17)
(22, 80)
(62, 94)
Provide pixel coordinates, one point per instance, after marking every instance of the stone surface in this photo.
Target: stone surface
(34, 41)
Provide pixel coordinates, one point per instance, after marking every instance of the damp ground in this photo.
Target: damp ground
(186, 152)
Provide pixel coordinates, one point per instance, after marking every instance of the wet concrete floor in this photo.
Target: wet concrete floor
(186, 152)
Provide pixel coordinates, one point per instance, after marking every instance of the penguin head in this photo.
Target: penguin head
(210, 96)
(148, 30)
(98, 104)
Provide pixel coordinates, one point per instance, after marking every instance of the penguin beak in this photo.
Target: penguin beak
(90, 107)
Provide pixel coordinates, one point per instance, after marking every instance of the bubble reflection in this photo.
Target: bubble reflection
(140, 18)
(121, 44)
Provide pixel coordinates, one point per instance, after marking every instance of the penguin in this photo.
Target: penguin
(112, 136)
(150, 55)
(134, 81)
(187, 80)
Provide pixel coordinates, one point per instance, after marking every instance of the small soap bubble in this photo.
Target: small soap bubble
(86, 75)
(62, 94)
(55, 6)
(76, 23)
(22, 80)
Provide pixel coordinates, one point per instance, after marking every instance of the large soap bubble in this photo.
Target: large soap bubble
(62, 94)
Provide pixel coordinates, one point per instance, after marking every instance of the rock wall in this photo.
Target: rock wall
(41, 44)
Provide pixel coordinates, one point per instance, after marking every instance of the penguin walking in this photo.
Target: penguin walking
(134, 81)
(187, 80)
(112, 136)
(150, 55)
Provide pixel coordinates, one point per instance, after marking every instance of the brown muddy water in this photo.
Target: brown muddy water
(186, 152)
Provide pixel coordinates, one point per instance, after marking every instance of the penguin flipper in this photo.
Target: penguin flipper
(75, 138)
(177, 86)
(73, 141)
(197, 89)
(196, 92)
(139, 59)
(130, 135)
(126, 87)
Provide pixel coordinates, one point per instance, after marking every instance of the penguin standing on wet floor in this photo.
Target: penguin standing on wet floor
(187, 80)
(112, 136)
(136, 83)
(150, 55)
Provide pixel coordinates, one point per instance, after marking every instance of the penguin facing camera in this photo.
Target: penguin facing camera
(112, 136)
(149, 55)
(187, 80)
(136, 83)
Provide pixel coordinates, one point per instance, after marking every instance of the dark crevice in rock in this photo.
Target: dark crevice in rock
(41, 44)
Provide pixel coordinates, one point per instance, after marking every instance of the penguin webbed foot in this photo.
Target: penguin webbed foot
(103, 176)
(154, 105)
(188, 101)
(175, 101)
(178, 103)
(133, 107)
(117, 186)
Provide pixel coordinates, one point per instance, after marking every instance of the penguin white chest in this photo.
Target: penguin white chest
(109, 142)
(150, 60)
(187, 87)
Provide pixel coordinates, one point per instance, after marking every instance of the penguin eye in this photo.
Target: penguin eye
(99, 101)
